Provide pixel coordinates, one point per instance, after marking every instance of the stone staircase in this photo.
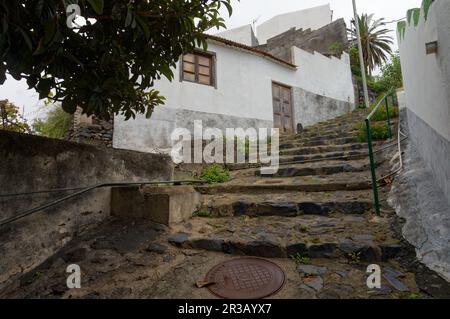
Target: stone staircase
(318, 205)
(314, 219)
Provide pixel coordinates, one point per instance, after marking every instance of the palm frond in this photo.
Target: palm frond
(375, 38)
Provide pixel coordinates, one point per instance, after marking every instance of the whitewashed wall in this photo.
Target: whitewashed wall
(426, 80)
(243, 97)
(243, 86)
(312, 18)
(401, 99)
(427, 77)
(242, 35)
(244, 91)
(330, 77)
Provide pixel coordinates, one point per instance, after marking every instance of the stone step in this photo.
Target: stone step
(320, 168)
(330, 131)
(354, 237)
(317, 142)
(339, 182)
(323, 149)
(299, 159)
(332, 126)
(344, 155)
(322, 133)
(330, 136)
(288, 204)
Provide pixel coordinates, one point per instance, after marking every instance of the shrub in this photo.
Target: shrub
(203, 213)
(380, 132)
(380, 114)
(300, 260)
(215, 174)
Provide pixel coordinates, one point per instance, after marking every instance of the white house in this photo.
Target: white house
(234, 85)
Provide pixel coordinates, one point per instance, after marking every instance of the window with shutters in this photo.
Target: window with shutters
(198, 68)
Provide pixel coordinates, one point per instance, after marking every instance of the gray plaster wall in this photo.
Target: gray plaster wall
(420, 201)
(32, 163)
(310, 108)
(320, 40)
(154, 134)
(433, 148)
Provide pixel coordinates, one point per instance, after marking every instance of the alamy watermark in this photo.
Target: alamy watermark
(74, 279)
(72, 11)
(374, 279)
(232, 146)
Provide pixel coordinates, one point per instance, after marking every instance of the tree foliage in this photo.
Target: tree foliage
(376, 43)
(11, 119)
(109, 64)
(391, 73)
(55, 125)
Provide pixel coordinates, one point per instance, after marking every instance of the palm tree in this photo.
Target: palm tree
(376, 42)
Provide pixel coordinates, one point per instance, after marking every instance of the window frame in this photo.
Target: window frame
(213, 72)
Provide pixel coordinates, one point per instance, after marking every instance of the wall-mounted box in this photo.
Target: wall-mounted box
(431, 47)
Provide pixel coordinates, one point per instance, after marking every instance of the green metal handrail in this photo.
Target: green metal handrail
(370, 144)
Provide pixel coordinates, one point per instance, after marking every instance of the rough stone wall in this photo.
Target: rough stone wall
(359, 92)
(91, 130)
(320, 40)
(33, 163)
(419, 200)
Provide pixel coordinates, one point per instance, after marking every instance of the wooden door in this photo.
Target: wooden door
(282, 108)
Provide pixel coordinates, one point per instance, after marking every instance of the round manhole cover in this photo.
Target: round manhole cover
(245, 278)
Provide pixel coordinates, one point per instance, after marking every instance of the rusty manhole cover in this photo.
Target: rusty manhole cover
(245, 278)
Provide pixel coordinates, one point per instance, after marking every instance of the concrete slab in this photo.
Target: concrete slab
(164, 205)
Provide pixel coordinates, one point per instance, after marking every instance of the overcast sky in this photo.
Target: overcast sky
(245, 12)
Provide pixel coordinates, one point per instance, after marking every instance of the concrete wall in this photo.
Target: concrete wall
(426, 79)
(329, 77)
(153, 135)
(401, 99)
(310, 108)
(313, 18)
(244, 35)
(242, 98)
(32, 163)
(434, 149)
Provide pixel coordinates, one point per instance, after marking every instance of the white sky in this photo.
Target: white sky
(244, 12)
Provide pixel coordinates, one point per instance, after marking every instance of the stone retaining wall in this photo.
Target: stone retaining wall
(31, 163)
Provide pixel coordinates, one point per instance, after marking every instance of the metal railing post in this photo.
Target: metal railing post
(388, 117)
(372, 168)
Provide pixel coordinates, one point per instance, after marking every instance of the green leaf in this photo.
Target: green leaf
(26, 37)
(129, 19)
(69, 105)
(44, 86)
(167, 72)
(116, 64)
(97, 5)
(144, 27)
(229, 8)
